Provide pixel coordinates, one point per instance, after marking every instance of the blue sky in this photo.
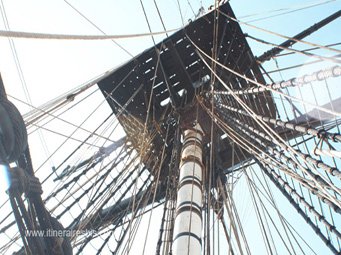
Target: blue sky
(51, 68)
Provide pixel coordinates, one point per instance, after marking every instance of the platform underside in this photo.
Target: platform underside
(158, 88)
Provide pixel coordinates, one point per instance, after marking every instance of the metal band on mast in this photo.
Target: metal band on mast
(188, 221)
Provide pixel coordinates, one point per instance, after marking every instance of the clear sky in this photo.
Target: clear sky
(51, 68)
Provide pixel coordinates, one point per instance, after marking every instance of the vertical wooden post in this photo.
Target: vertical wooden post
(188, 221)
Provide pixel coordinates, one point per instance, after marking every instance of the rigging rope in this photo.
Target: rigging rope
(304, 53)
(257, 83)
(295, 163)
(32, 35)
(337, 14)
(94, 25)
(266, 127)
(320, 75)
(287, 11)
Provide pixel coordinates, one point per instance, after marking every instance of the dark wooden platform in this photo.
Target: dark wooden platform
(174, 74)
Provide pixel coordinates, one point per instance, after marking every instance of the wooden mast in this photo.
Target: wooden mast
(188, 221)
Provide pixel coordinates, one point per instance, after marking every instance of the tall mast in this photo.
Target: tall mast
(188, 221)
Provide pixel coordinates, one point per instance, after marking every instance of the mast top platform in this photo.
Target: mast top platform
(157, 90)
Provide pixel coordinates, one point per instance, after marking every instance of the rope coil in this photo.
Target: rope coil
(13, 133)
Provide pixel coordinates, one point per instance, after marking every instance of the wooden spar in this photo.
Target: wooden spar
(288, 43)
(188, 221)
